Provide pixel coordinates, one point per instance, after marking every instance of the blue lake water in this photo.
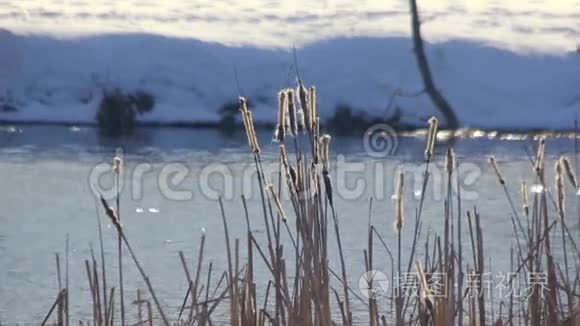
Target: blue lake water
(171, 180)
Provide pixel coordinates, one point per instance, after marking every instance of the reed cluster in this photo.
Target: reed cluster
(302, 287)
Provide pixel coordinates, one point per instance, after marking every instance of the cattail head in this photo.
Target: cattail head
(111, 214)
(293, 117)
(431, 138)
(283, 155)
(525, 198)
(539, 165)
(277, 203)
(288, 170)
(560, 188)
(496, 170)
(316, 144)
(280, 131)
(117, 164)
(249, 126)
(255, 145)
(244, 110)
(312, 105)
(299, 175)
(301, 122)
(313, 179)
(304, 105)
(449, 161)
(324, 151)
(399, 202)
(327, 186)
(569, 172)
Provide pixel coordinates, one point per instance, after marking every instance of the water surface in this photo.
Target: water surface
(48, 176)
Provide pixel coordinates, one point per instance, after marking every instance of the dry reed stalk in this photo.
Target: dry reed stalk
(480, 265)
(115, 220)
(110, 310)
(184, 302)
(92, 290)
(324, 155)
(515, 218)
(58, 301)
(234, 317)
(249, 126)
(138, 303)
(117, 167)
(425, 292)
(60, 304)
(288, 170)
(493, 163)
(399, 300)
(66, 281)
(249, 307)
(457, 278)
(194, 296)
(368, 255)
(96, 287)
(400, 305)
(102, 252)
(559, 176)
(277, 203)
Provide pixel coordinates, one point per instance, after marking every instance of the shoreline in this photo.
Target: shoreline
(402, 130)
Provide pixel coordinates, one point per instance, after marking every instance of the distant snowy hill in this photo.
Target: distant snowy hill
(508, 65)
(62, 80)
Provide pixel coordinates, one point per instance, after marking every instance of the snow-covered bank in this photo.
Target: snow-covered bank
(48, 79)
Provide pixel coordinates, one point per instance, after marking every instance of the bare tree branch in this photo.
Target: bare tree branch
(440, 102)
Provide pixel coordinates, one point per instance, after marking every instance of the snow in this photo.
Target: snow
(508, 67)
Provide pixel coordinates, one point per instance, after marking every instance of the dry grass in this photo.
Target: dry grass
(302, 288)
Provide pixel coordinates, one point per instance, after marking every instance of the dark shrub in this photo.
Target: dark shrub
(7, 108)
(117, 111)
(144, 102)
(228, 112)
(346, 121)
(229, 117)
(7, 102)
(116, 114)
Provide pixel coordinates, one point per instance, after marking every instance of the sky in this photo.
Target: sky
(526, 25)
